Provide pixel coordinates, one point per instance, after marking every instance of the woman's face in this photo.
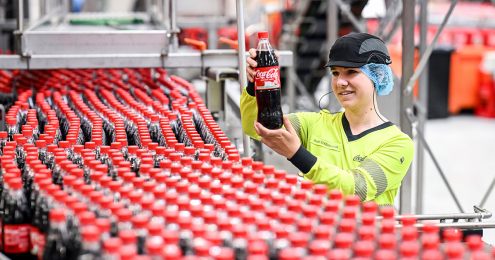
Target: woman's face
(352, 87)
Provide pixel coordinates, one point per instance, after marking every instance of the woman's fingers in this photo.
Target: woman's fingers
(251, 73)
(251, 65)
(251, 62)
(252, 52)
(277, 55)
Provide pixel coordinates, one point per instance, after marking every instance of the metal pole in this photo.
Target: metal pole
(423, 100)
(291, 89)
(148, 8)
(332, 23)
(242, 65)
(332, 36)
(20, 15)
(406, 100)
(173, 25)
(453, 216)
(426, 56)
(459, 225)
(487, 194)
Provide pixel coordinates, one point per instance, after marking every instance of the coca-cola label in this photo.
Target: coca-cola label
(267, 78)
(16, 238)
(33, 240)
(1, 233)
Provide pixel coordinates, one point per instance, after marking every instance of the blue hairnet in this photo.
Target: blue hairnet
(381, 75)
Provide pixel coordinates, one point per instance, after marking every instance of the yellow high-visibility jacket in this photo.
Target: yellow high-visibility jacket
(371, 164)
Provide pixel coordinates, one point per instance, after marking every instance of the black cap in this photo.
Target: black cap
(358, 49)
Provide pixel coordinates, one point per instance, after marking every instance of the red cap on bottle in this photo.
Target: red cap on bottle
(128, 237)
(263, 35)
(90, 233)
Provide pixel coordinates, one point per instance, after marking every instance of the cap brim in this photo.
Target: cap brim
(345, 64)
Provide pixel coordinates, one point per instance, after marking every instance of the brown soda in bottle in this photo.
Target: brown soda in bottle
(267, 85)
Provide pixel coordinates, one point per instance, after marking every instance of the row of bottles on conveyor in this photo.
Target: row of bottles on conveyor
(248, 211)
(114, 199)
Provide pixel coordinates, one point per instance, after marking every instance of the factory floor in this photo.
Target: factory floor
(464, 146)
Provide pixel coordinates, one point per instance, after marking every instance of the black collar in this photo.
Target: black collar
(351, 137)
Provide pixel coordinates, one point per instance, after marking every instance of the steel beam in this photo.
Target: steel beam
(406, 101)
(393, 31)
(332, 23)
(423, 101)
(393, 13)
(459, 225)
(332, 36)
(211, 58)
(173, 25)
(20, 15)
(242, 65)
(424, 59)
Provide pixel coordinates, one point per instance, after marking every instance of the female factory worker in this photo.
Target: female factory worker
(357, 151)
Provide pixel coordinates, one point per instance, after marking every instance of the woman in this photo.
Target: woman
(357, 151)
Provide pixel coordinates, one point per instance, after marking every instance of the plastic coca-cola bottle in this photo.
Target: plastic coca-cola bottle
(267, 84)
(16, 222)
(57, 244)
(91, 247)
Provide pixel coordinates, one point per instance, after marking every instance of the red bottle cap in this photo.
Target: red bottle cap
(454, 250)
(288, 253)
(364, 249)
(367, 233)
(452, 235)
(408, 220)
(474, 242)
(90, 233)
(112, 245)
(369, 206)
(263, 35)
(388, 226)
(103, 224)
(388, 212)
(124, 215)
(432, 242)
(139, 221)
(323, 232)
(343, 240)
(319, 247)
(57, 215)
(387, 241)
(368, 219)
(430, 227)
(128, 237)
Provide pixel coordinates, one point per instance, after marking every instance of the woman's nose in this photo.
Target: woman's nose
(341, 81)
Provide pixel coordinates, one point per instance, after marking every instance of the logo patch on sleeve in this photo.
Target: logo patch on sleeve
(401, 160)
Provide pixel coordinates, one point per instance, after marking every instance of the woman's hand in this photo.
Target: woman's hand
(283, 141)
(251, 64)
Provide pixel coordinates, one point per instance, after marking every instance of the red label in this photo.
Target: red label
(33, 240)
(267, 78)
(16, 238)
(1, 229)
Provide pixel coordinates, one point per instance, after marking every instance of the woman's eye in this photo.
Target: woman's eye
(335, 73)
(351, 71)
